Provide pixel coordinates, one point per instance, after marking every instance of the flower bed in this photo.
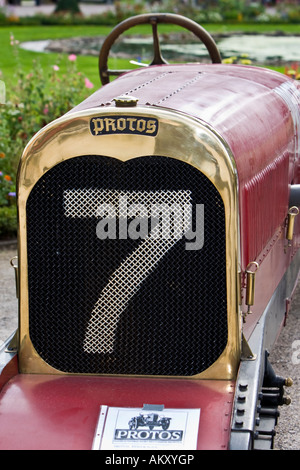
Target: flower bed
(38, 98)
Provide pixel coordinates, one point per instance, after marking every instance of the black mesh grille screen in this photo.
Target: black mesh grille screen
(120, 305)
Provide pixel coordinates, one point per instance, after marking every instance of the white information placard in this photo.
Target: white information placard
(137, 428)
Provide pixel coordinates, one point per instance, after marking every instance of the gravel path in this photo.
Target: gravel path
(285, 357)
(8, 300)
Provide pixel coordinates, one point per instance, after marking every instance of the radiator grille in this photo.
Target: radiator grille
(120, 305)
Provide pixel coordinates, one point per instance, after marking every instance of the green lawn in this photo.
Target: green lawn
(88, 65)
(9, 62)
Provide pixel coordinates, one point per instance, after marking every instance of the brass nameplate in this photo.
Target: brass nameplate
(124, 125)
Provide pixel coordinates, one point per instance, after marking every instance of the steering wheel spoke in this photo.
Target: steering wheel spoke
(157, 59)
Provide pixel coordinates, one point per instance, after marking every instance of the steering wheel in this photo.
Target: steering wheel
(153, 19)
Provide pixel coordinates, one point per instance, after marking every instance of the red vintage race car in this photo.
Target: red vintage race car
(150, 420)
(158, 251)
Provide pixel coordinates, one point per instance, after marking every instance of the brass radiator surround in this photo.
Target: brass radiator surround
(179, 137)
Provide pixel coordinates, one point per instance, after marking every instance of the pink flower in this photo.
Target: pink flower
(46, 109)
(88, 84)
(55, 67)
(72, 57)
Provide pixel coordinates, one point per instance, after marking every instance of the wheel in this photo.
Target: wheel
(165, 425)
(153, 19)
(133, 423)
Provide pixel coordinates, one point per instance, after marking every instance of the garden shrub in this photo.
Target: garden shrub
(293, 15)
(8, 222)
(38, 98)
(221, 11)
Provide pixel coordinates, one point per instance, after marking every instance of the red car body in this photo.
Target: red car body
(255, 113)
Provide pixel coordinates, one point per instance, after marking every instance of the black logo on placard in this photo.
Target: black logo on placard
(157, 429)
(123, 125)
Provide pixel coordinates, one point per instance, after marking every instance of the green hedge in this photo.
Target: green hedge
(221, 12)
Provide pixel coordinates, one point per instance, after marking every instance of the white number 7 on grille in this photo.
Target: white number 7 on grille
(135, 268)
